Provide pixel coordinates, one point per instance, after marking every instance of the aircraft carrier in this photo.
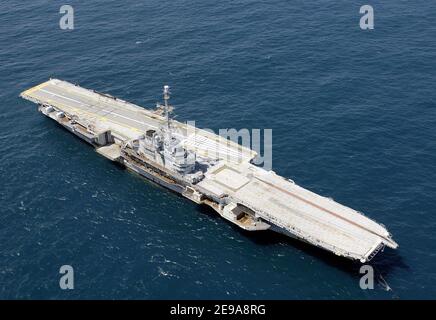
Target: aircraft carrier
(207, 169)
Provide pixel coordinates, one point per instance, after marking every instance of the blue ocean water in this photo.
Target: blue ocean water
(353, 115)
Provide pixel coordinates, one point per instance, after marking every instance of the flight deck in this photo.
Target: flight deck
(221, 175)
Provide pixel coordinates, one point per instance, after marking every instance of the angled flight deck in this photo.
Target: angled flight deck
(222, 176)
(126, 120)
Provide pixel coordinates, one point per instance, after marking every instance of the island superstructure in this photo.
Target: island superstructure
(207, 169)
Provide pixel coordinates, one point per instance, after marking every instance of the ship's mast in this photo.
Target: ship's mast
(167, 110)
(166, 96)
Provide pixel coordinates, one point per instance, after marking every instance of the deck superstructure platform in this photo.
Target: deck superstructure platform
(249, 196)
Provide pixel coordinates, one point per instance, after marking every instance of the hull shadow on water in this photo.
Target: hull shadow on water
(383, 263)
